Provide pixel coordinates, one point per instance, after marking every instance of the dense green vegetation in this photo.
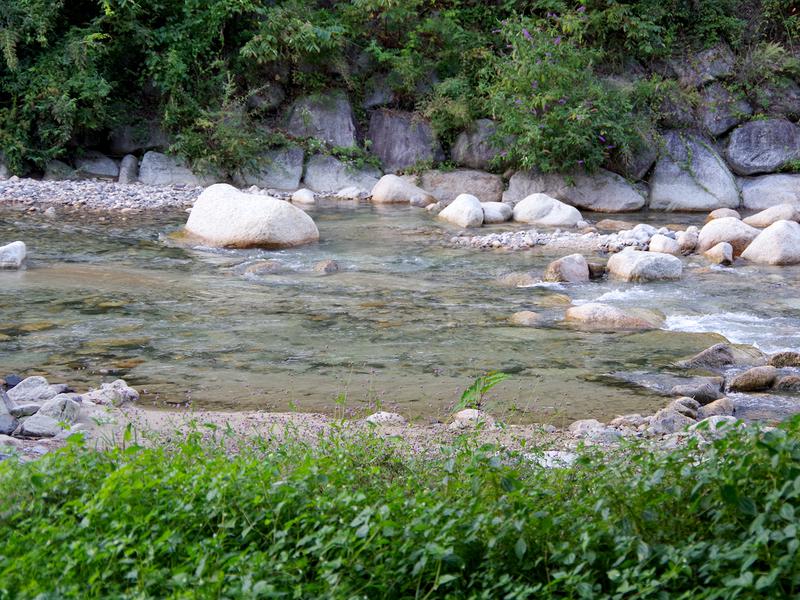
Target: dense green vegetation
(358, 517)
(72, 71)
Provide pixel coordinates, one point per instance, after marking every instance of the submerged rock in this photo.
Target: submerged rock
(595, 315)
(326, 267)
(525, 318)
(225, 217)
(721, 356)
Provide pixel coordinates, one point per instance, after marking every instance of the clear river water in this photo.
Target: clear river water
(406, 324)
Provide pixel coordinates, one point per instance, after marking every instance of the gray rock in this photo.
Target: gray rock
(129, 169)
(25, 410)
(464, 211)
(701, 391)
(642, 157)
(160, 169)
(96, 165)
(5, 173)
(721, 356)
(269, 97)
(329, 174)
(728, 229)
(779, 98)
(720, 110)
(327, 117)
(705, 66)
(720, 407)
(717, 426)
(116, 393)
(668, 420)
(474, 148)
(635, 265)
(763, 146)
(595, 316)
(33, 390)
(378, 92)
(603, 191)
(12, 256)
(56, 170)
(765, 191)
(8, 424)
(787, 383)
(40, 426)
(569, 269)
(402, 140)
(754, 379)
(778, 244)
(525, 318)
(691, 176)
(446, 185)
(688, 407)
(326, 267)
(496, 212)
(62, 408)
(280, 169)
(593, 430)
(130, 139)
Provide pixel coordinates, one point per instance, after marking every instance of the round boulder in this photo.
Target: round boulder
(541, 209)
(721, 254)
(780, 212)
(721, 213)
(728, 229)
(635, 265)
(225, 217)
(569, 269)
(665, 245)
(778, 244)
(464, 211)
(496, 212)
(392, 189)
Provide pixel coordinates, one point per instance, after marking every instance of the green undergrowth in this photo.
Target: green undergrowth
(355, 516)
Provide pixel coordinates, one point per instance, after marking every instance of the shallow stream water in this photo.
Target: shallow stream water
(406, 324)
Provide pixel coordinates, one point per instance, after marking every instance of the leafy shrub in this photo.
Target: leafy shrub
(362, 517)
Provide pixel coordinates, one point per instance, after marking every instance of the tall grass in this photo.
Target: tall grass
(355, 516)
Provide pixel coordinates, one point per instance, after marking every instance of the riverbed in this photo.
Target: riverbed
(406, 324)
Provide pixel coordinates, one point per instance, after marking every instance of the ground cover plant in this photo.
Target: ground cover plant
(356, 516)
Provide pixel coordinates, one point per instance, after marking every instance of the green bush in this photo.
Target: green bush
(359, 517)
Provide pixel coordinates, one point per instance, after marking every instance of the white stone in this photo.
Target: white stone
(392, 189)
(386, 418)
(12, 256)
(665, 245)
(464, 211)
(116, 393)
(225, 217)
(727, 229)
(778, 244)
(33, 390)
(541, 209)
(471, 417)
(779, 212)
(721, 254)
(762, 192)
(635, 265)
(62, 408)
(303, 196)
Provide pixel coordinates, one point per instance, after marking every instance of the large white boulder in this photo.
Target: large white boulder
(780, 212)
(635, 265)
(225, 217)
(541, 209)
(392, 189)
(778, 244)
(464, 211)
(12, 255)
(727, 229)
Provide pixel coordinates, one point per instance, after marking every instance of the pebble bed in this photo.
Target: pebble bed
(96, 195)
